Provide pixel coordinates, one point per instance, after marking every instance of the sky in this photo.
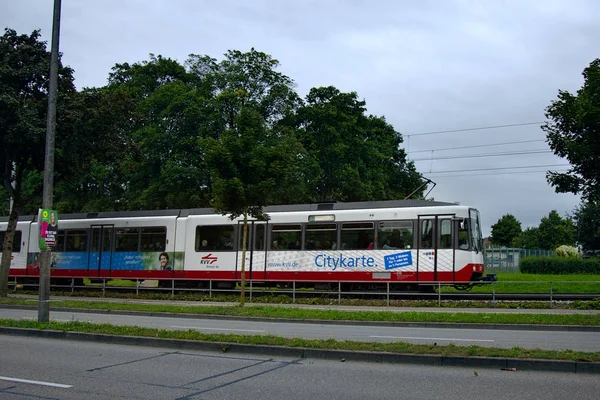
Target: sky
(425, 65)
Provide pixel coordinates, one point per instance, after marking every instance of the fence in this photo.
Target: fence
(508, 259)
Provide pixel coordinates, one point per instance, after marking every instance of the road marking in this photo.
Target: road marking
(58, 385)
(432, 338)
(217, 329)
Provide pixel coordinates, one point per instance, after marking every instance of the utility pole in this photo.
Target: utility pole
(46, 255)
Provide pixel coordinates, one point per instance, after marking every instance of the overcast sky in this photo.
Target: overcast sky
(425, 65)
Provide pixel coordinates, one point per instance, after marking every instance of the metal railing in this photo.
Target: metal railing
(508, 259)
(440, 292)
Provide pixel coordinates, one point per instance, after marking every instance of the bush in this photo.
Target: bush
(567, 251)
(560, 265)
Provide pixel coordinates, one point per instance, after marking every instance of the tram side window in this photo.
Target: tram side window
(463, 235)
(215, 237)
(60, 241)
(445, 234)
(153, 239)
(286, 237)
(259, 237)
(127, 239)
(320, 236)
(357, 235)
(76, 240)
(16, 241)
(427, 233)
(395, 235)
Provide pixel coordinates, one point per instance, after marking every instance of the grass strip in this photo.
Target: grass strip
(396, 347)
(264, 311)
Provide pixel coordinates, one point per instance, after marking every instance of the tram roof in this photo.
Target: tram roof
(322, 206)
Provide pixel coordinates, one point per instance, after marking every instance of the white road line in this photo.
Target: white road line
(217, 329)
(432, 338)
(58, 385)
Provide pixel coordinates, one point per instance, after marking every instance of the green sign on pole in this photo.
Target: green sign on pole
(48, 228)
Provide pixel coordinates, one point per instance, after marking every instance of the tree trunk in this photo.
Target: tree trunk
(7, 247)
(244, 241)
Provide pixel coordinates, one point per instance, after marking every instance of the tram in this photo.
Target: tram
(360, 245)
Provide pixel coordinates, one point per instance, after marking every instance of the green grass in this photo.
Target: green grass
(112, 282)
(533, 283)
(263, 311)
(396, 347)
(507, 283)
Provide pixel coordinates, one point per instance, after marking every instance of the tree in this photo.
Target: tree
(505, 230)
(24, 66)
(358, 157)
(528, 239)
(250, 168)
(555, 231)
(587, 220)
(255, 160)
(574, 133)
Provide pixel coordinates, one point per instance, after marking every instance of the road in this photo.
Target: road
(63, 369)
(502, 338)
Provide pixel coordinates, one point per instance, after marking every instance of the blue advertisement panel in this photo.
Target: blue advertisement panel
(398, 260)
(118, 261)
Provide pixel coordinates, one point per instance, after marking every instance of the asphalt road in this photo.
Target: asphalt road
(63, 369)
(503, 338)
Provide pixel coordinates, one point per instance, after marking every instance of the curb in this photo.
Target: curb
(322, 354)
(450, 325)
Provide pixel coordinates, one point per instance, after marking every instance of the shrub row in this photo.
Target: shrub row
(560, 265)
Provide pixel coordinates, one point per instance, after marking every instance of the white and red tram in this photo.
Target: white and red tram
(362, 244)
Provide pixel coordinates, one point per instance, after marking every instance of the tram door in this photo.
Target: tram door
(255, 250)
(436, 244)
(100, 254)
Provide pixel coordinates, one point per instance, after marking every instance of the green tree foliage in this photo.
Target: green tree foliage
(505, 230)
(24, 66)
(254, 161)
(528, 239)
(574, 133)
(97, 155)
(555, 231)
(587, 220)
(358, 157)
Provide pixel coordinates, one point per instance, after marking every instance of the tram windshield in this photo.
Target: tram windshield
(475, 228)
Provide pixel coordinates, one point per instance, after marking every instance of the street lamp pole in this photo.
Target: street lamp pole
(45, 255)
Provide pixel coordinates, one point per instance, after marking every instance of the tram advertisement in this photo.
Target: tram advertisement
(48, 228)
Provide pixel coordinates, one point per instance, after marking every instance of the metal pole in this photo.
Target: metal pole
(45, 255)
(439, 294)
(388, 294)
(294, 292)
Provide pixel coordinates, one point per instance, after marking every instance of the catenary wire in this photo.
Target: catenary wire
(500, 168)
(473, 129)
(514, 153)
(479, 145)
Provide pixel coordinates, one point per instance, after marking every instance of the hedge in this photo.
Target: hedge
(560, 265)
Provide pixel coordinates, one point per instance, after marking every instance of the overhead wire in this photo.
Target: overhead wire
(480, 145)
(474, 129)
(500, 168)
(514, 153)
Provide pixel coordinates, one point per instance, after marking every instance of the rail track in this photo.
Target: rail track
(332, 294)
